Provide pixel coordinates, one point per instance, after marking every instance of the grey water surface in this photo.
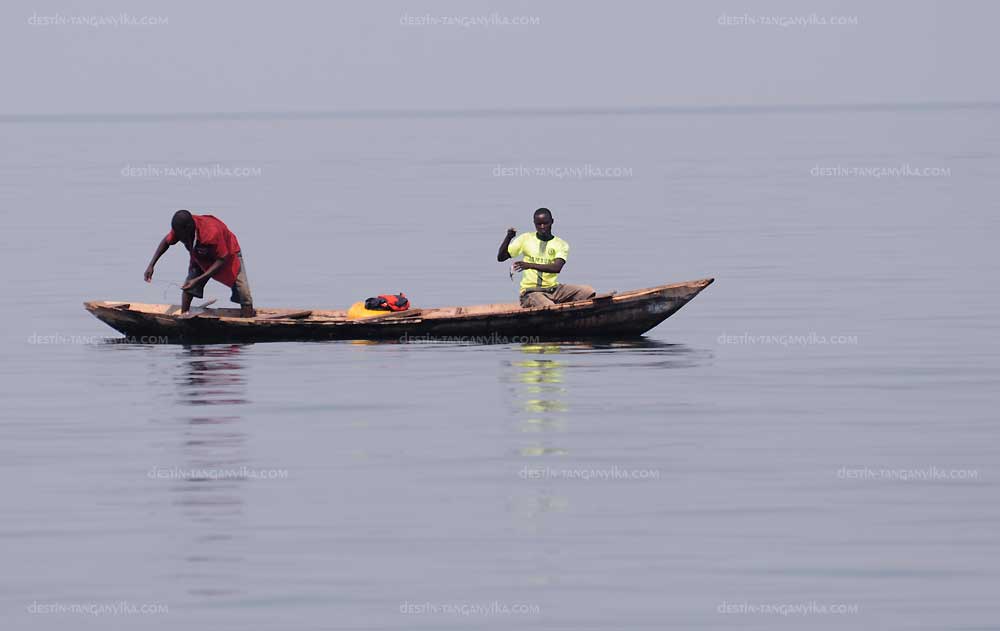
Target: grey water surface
(811, 443)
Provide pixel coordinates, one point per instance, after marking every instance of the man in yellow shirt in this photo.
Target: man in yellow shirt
(544, 257)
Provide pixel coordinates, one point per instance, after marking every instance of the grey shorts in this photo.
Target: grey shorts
(240, 290)
(556, 295)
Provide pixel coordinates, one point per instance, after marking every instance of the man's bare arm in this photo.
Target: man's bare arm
(160, 249)
(212, 269)
(503, 254)
(548, 268)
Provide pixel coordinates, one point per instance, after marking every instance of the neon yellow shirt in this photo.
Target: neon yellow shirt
(537, 251)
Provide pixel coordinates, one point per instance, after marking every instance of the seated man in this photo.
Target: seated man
(215, 253)
(544, 257)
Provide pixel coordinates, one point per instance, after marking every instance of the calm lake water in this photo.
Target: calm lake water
(811, 443)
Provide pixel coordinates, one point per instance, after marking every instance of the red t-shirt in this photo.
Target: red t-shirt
(213, 241)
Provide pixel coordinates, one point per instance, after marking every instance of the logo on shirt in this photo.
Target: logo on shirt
(550, 252)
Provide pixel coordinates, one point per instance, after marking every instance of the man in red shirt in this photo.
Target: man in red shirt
(215, 253)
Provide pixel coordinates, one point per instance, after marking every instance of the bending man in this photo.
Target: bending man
(215, 253)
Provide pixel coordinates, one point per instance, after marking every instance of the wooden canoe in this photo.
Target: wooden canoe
(614, 315)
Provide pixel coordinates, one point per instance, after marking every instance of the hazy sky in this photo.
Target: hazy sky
(245, 56)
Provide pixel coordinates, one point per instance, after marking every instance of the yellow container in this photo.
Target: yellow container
(358, 311)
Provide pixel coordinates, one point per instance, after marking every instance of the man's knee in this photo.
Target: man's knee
(569, 293)
(535, 299)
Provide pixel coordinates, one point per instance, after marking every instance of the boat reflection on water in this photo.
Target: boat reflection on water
(541, 395)
(207, 483)
(545, 387)
(212, 376)
(539, 401)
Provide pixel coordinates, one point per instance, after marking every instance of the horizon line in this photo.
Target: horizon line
(513, 112)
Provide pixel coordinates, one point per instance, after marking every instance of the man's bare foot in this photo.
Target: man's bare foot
(247, 311)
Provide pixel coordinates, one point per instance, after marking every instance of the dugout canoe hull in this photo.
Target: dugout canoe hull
(610, 316)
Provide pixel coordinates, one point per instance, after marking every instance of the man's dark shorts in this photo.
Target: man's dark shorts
(240, 290)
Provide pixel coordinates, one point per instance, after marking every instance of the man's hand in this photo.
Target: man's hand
(191, 283)
(520, 266)
(148, 276)
(503, 254)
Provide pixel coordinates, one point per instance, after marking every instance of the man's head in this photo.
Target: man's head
(543, 222)
(183, 225)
